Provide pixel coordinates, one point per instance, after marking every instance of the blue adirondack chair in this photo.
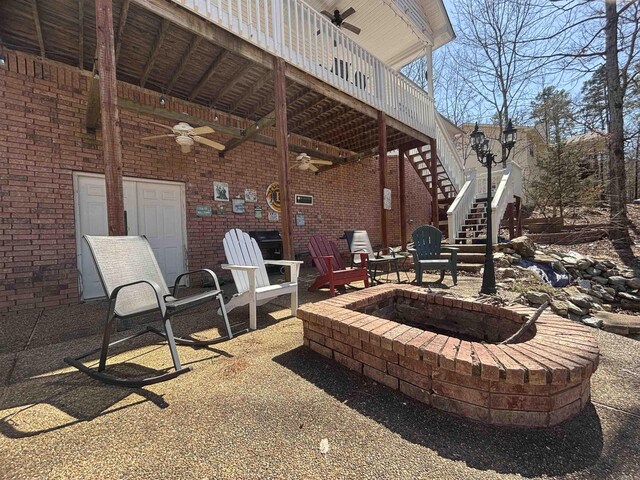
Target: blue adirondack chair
(427, 252)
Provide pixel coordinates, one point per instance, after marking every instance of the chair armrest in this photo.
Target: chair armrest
(284, 263)
(156, 289)
(454, 253)
(176, 285)
(243, 268)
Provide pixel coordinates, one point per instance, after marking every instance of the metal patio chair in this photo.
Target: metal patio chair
(427, 253)
(135, 286)
(358, 241)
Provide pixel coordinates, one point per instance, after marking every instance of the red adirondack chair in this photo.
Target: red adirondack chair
(327, 259)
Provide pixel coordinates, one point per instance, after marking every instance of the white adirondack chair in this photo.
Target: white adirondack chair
(250, 275)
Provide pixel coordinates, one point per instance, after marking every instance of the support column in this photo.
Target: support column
(382, 166)
(403, 209)
(110, 117)
(433, 167)
(430, 70)
(518, 208)
(511, 212)
(282, 150)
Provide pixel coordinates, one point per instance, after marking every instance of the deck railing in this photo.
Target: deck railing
(510, 185)
(461, 206)
(305, 38)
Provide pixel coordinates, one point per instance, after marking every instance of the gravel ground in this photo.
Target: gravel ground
(258, 406)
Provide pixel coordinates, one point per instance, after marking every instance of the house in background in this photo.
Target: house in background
(83, 82)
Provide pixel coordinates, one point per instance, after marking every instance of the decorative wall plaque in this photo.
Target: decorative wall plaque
(273, 197)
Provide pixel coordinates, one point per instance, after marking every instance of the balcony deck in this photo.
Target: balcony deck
(219, 54)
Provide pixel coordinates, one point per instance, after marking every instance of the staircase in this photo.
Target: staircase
(421, 160)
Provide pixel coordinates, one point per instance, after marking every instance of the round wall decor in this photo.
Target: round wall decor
(273, 197)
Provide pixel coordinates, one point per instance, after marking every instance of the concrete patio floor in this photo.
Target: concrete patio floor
(259, 405)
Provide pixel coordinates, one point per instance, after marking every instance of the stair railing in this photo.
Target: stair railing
(510, 185)
(448, 154)
(461, 206)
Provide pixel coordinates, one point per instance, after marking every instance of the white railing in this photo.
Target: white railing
(449, 156)
(481, 179)
(510, 185)
(305, 38)
(461, 206)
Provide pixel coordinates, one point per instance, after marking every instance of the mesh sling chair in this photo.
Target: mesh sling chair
(135, 286)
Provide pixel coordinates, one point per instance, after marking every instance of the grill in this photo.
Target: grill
(270, 243)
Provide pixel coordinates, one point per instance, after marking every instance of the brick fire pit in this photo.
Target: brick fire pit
(444, 352)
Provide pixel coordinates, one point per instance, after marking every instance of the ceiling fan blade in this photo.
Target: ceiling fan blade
(350, 27)
(322, 162)
(201, 131)
(170, 127)
(210, 143)
(153, 137)
(327, 14)
(313, 168)
(348, 12)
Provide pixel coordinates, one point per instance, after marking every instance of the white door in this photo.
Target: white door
(152, 208)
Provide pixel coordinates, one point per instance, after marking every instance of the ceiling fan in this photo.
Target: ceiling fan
(338, 19)
(305, 162)
(186, 136)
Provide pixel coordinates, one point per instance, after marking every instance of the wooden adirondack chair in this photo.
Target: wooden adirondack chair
(327, 259)
(250, 275)
(427, 253)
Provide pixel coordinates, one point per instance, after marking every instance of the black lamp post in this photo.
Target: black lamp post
(480, 145)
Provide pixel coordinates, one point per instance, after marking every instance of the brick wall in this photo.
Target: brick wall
(42, 142)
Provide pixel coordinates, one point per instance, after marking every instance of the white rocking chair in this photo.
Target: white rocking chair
(250, 275)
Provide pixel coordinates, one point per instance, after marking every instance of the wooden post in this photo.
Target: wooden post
(110, 116)
(403, 206)
(518, 217)
(382, 165)
(511, 212)
(433, 167)
(282, 149)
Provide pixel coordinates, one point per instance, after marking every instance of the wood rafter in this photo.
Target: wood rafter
(38, 26)
(122, 21)
(267, 121)
(152, 111)
(341, 126)
(162, 33)
(251, 91)
(316, 119)
(304, 109)
(222, 56)
(80, 33)
(195, 43)
(238, 75)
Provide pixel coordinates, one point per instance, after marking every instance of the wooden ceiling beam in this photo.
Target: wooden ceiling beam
(195, 43)
(162, 33)
(222, 56)
(251, 91)
(315, 102)
(268, 120)
(237, 76)
(122, 21)
(38, 26)
(337, 125)
(80, 33)
(315, 119)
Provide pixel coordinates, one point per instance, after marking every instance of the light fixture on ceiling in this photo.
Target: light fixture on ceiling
(163, 100)
(3, 60)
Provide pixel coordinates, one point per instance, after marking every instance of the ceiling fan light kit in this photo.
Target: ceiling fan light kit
(185, 135)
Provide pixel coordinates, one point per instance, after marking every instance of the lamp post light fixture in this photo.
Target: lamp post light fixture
(480, 145)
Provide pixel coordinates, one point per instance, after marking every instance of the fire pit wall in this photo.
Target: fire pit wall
(443, 351)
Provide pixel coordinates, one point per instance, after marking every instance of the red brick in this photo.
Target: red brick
(322, 350)
(565, 413)
(348, 362)
(474, 412)
(410, 376)
(519, 418)
(368, 359)
(459, 392)
(337, 346)
(529, 403)
(380, 377)
(416, 393)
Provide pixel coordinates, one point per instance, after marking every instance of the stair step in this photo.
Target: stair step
(469, 267)
(466, 247)
(471, 258)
